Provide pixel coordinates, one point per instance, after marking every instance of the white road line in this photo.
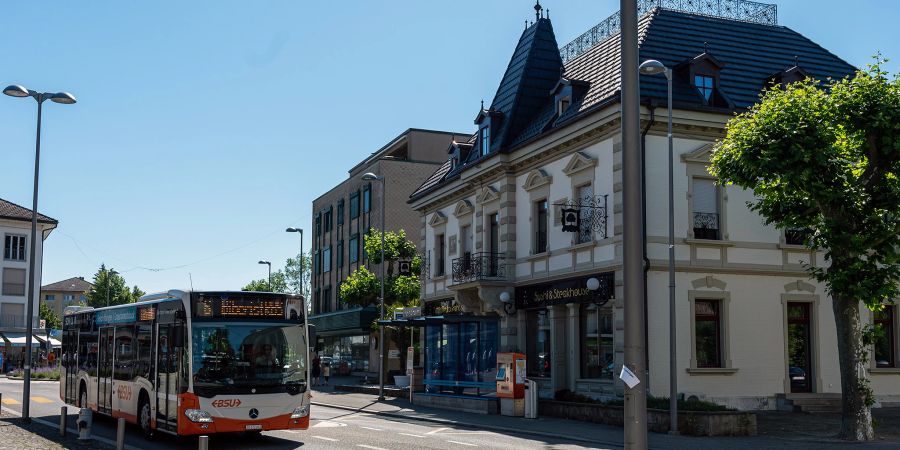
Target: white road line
(370, 428)
(437, 431)
(462, 443)
(467, 432)
(325, 438)
(370, 447)
(413, 435)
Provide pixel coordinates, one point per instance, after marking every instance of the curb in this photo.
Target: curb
(469, 424)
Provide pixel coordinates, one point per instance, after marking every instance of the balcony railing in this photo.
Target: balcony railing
(797, 236)
(706, 226)
(479, 266)
(17, 321)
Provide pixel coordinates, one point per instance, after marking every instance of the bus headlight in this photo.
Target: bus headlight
(198, 415)
(300, 411)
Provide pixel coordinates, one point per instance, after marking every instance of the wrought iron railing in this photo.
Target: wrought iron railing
(742, 10)
(706, 225)
(797, 236)
(479, 266)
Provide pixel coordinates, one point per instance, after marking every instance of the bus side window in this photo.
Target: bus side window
(144, 343)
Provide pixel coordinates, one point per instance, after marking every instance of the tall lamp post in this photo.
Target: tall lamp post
(299, 230)
(109, 275)
(270, 273)
(369, 176)
(654, 67)
(66, 99)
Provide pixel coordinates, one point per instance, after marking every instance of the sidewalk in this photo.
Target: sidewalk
(588, 433)
(15, 434)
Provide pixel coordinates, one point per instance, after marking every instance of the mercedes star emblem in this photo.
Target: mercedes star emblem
(254, 413)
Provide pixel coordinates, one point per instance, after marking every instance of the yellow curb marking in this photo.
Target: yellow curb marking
(10, 401)
(41, 400)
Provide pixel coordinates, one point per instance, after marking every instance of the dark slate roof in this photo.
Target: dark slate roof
(532, 71)
(750, 54)
(76, 284)
(436, 177)
(12, 211)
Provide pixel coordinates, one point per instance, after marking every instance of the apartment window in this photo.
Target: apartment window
(367, 199)
(708, 332)
(68, 298)
(706, 209)
(596, 339)
(586, 230)
(797, 236)
(328, 219)
(326, 260)
(318, 301)
(326, 299)
(318, 224)
(14, 247)
(50, 298)
(354, 248)
(540, 231)
(13, 281)
(485, 140)
(340, 212)
(354, 205)
(885, 351)
(704, 84)
(439, 252)
(317, 262)
(340, 254)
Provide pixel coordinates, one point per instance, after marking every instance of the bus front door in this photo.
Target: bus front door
(70, 366)
(104, 370)
(166, 378)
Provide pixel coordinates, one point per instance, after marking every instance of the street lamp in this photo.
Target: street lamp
(109, 273)
(654, 67)
(66, 99)
(299, 230)
(369, 176)
(270, 273)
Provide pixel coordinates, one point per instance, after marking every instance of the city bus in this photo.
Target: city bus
(188, 363)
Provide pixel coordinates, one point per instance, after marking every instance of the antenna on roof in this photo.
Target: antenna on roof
(526, 24)
(537, 10)
(797, 60)
(705, 47)
(548, 13)
(482, 104)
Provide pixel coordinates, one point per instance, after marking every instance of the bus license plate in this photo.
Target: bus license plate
(253, 427)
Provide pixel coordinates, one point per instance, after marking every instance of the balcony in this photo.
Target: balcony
(17, 321)
(479, 266)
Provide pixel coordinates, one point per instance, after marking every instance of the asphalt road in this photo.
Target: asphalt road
(330, 428)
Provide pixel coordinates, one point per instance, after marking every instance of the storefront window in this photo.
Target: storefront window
(348, 353)
(596, 342)
(537, 351)
(488, 349)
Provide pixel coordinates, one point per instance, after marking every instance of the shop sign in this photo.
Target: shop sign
(441, 307)
(412, 312)
(565, 291)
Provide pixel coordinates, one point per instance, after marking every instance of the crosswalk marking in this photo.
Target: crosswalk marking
(10, 401)
(41, 399)
(370, 447)
(463, 443)
(410, 434)
(325, 438)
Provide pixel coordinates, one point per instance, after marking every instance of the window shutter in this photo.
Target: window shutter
(705, 198)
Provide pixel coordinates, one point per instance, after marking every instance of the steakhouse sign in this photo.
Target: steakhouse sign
(573, 290)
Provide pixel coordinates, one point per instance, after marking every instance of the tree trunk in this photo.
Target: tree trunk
(856, 416)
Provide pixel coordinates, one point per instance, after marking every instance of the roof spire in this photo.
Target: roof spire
(537, 10)
(548, 13)
(797, 60)
(482, 104)
(705, 47)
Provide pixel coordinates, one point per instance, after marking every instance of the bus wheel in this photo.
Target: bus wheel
(144, 416)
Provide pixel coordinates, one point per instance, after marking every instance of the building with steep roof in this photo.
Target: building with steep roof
(517, 223)
(72, 291)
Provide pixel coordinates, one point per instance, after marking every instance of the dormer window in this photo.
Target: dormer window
(485, 140)
(563, 105)
(704, 84)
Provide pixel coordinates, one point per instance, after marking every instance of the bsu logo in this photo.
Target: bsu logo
(227, 403)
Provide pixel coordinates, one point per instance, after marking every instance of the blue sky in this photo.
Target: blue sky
(204, 128)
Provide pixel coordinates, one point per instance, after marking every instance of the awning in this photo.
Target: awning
(18, 339)
(53, 342)
(437, 320)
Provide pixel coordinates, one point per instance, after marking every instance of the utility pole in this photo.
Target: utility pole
(632, 215)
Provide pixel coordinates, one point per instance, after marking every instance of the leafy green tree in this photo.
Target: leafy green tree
(294, 277)
(49, 316)
(110, 284)
(362, 287)
(826, 158)
(279, 284)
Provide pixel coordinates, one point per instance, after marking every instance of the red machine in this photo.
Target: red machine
(510, 375)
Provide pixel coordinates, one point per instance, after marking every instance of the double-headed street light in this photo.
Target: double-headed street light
(369, 176)
(270, 273)
(299, 230)
(654, 67)
(64, 98)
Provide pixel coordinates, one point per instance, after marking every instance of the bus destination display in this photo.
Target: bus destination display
(240, 307)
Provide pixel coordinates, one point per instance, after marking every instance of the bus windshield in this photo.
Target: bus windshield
(248, 354)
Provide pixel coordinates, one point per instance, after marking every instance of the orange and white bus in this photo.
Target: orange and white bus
(188, 363)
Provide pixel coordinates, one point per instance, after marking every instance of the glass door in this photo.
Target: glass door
(166, 377)
(70, 365)
(104, 370)
(800, 347)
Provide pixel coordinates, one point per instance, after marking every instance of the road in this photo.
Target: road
(330, 428)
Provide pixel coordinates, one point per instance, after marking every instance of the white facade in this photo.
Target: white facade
(748, 272)
(14, 273)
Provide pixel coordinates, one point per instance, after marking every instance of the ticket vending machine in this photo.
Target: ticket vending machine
(511, 383)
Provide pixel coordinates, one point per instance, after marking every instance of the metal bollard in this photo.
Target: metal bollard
(63, 417)
(120, 434)
(203, 443)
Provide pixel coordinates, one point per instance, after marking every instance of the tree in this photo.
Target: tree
(826, 158)
(294, 277)
(262, 285)
(49, 316)
(118, 291)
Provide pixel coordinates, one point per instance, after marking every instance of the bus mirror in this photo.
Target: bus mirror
(178, 336)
